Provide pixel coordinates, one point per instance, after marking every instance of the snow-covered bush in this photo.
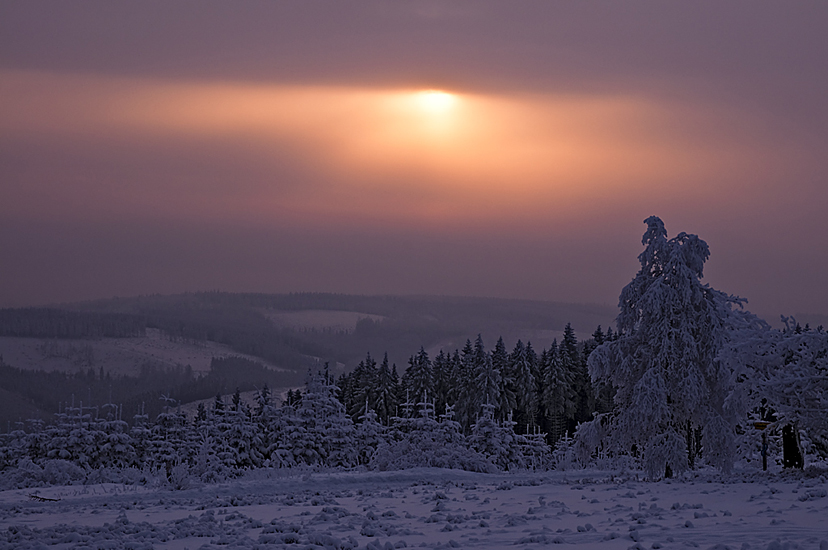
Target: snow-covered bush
(322, 433)
(497, 441)
(53, 472)
(369, 435)
(424, 442)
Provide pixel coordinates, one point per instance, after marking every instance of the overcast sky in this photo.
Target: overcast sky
(508, 149)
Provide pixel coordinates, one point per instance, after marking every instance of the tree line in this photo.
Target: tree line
(229, 437)
(689, 377)
(50, 391)
(548, 392)
(60, 323)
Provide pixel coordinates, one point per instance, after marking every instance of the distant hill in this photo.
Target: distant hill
(277, 337)
(288, 328)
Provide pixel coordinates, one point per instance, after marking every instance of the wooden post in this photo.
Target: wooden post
(761, 425)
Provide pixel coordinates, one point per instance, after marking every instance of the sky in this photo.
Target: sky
(505, 149)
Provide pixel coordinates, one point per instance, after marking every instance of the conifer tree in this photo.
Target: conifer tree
(455, 381)
(508, 400)
(418, 380)
(140, 434)
(116, 449)
(237, 401)
(486, 380)
(368, 436)
(324, 432)
(387, 392)
(497, 441)
(524, 387)
(573, 361)
(365, 386)
(559, 397)
(466, 405)
(441, 368)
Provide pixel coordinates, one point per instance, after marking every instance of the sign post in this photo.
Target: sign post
(761, 425)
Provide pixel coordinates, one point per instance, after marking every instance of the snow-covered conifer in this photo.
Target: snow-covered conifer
(573, 361)
(522, 370)
(418, 379)
(368, 436)
(466, 402)
(497, 441)
(169, 445)
(442, 370)
(500, 363)
(324, 434)
(486, 380)
(387, 392)
(558, 399)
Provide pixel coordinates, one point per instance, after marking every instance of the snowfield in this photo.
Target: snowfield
(430, 508)
(118, 356)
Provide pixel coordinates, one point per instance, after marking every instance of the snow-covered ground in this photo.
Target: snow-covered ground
(427, 508)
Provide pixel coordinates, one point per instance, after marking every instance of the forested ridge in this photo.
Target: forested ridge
(471, 408)
(49, 392)
(685, 379)
(64, 323)
(399, 325)
(239, 321)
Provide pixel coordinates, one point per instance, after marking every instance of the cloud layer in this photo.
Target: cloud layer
(408, 147)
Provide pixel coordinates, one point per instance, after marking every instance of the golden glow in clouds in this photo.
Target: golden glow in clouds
(434, 102)
(422, 153)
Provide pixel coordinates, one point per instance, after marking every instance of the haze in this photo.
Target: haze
(459, 148)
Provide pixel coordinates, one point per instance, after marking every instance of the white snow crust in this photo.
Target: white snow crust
(431, 508)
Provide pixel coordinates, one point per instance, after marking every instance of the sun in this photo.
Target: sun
(435, 101)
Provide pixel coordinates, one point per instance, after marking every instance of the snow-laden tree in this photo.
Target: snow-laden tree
(358, 389)
(418, 380)
(421, 441)
(219, 425)
(521, 373)
(283, 428)
(497, 441)
(784, 371)
(116, 450)
(387, 392)
(663, 364)
(75, 437)
(795, 383)
(169, 445)
(486, 381)
(325, 433)
(243, 436)
(442, 370)
(559, 399)
(465, 402)
(141, 435)
(573, 362)
(368, 436)
(500, 362)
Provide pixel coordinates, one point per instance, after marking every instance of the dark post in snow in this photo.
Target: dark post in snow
(791, 448)
(761, 425)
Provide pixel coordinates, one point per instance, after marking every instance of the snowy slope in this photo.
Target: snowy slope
(427, 507)
(119, 356)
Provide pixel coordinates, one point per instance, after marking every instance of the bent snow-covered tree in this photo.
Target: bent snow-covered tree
(670, 387)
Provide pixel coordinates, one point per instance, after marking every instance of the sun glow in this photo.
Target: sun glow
(435, 102)
(423, 152)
